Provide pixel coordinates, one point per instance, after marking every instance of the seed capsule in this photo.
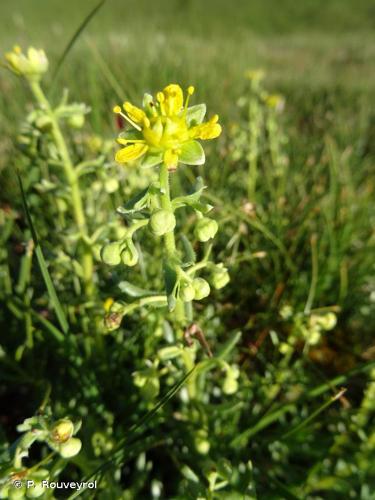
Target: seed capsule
(70, 448)
(201, 287)
(110, 253)
(205, 229)
(162, 222)
(187, 291)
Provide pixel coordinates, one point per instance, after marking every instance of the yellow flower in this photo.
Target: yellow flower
(275, 101)
(32, 65)
(165, 129)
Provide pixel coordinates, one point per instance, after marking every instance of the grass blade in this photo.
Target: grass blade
(42, 263)
(117, 455)
(74, 38)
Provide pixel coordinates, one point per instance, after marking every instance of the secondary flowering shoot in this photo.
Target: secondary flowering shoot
(166, 130)
(31, 65)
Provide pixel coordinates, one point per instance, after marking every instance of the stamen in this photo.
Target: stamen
(117, 110)
(190, 91)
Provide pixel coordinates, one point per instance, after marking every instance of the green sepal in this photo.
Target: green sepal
(195, 114)
(192, 153)
(131, 135)
(139, 201)
(135, 291)
(181, 201)
(189, 251)
(170, 279)
(151, 159)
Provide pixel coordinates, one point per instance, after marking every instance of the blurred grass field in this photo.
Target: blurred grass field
(304, 241)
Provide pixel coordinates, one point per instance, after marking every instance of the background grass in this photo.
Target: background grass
(321, 56)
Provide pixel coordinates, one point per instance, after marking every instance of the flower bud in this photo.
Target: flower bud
(70, 448)
(62, 430)
(205, 229)
(110, 253)
(129, 254)
(187, 291)
(162, 222)
(31, 66)
(220, 277)
(201, 288)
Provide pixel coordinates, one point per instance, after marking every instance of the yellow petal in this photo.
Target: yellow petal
(174, 99)
(135, 114)
(131, 153)
(206, 131)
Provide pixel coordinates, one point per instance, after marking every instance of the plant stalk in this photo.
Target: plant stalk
(72, 179)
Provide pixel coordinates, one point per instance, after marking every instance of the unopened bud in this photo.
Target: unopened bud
(162, 222)
(205, 229)
(31, 66)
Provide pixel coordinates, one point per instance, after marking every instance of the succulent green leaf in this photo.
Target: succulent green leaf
(192, 153)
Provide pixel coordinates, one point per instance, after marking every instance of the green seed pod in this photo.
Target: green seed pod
(129, 254)
(162, 222)
(201, 288)
(202, 445)
(110, 253)
(62, 431)
(230, 384)
(35, 491)
(70, 448)
(205, 229)
(187, 291)
(220, 277)
(4, 490)
(16, 493)
(76, 121)
(43, 122)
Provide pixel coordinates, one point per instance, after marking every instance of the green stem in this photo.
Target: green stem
(169, 238)
(72, 178)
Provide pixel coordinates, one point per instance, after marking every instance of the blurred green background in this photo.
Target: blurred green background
(134, 45)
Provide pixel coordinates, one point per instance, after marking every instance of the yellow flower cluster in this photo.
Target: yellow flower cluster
(31, 65)
(166, 129)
